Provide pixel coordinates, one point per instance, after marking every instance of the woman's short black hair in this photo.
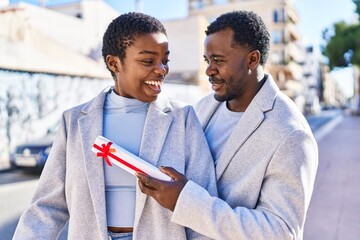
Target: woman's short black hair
(122, 31)
(249, 30)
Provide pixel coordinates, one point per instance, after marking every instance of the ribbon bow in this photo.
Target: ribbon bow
(105, 150)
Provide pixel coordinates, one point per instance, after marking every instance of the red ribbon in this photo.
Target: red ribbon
(106, 152)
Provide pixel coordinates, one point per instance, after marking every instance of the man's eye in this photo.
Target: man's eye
(165, 62)
(218, 61)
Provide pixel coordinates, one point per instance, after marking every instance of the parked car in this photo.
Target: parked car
(33, 154)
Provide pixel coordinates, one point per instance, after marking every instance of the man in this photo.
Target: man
(265, 154)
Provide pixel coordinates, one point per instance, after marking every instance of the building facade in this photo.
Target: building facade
(46, 66)
(281, 17)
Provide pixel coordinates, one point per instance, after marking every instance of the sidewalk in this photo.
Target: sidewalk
(334, 212)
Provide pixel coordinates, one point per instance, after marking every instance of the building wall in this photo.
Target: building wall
(95, 15)
(187, 80)
(333, 97)
(30, 103)
(36, 39)
(286, 55)
(312, 81)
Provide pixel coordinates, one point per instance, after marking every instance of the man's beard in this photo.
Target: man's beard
(231, 93)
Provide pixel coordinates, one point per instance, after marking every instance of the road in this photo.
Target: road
(14, 199)
(16, 189)
(18, 175)
(334, 212)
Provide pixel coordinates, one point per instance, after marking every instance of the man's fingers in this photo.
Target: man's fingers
(165, 193)
(142, 177)
(144, 185)
(172, 173)
(156, 185)
(144, 189)
(147, 181)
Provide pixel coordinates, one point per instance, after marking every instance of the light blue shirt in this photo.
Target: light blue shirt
(124, 120)
(219, 128)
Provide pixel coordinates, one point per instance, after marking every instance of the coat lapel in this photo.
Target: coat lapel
(249, 122)
(90, 127)
(205, 109)
(156, 128)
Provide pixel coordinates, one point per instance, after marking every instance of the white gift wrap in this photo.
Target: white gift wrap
(128, 161)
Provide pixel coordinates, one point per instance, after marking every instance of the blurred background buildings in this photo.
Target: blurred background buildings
(50, 60)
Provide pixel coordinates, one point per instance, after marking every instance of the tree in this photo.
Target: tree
(343, 43)
(343, 49)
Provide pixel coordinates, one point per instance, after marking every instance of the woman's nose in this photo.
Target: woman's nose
(161, 69)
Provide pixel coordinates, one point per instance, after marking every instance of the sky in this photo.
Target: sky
(315, 15)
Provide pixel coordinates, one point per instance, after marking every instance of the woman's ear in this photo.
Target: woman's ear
(113, 63)
(254, 59)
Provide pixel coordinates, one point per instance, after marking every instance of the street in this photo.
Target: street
(18, 175)
(16, 189)
(14, 199)
(334, 211)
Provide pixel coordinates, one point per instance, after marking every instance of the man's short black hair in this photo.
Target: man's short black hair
(249, 30)
(122, 31)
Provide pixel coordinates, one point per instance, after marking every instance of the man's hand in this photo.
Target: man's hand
(165, 193)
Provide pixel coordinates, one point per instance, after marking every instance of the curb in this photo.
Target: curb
(6, 169)
(327, 127)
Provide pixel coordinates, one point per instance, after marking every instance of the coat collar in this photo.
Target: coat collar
(157, 125)
(90, 126)
(253, 117)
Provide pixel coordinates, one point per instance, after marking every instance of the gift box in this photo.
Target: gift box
(114, 154)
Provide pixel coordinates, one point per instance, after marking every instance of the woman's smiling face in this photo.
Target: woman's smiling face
(144, 68)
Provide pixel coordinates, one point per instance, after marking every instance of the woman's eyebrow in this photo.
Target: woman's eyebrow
(152, 52)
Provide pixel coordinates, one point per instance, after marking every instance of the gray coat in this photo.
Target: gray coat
(265, 174)
(71, 187)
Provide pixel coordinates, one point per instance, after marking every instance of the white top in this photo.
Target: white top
(124, 120)
(219, 129)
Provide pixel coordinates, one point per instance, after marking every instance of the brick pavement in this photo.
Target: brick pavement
(334, 212)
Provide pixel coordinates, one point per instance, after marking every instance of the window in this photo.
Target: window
(275, 16)
(279, 15)
(278, 36)
(277, 57)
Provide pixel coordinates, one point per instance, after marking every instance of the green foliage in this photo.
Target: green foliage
(343, 43)
(357, 3)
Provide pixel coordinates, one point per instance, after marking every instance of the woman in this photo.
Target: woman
(100, 201)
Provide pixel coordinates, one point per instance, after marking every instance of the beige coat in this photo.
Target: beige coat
(71, 187)
(265, 174)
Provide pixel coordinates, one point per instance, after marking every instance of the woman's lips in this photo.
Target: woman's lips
(154, 85)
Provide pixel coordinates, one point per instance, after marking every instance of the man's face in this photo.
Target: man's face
(144, 68)
(227, 66)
